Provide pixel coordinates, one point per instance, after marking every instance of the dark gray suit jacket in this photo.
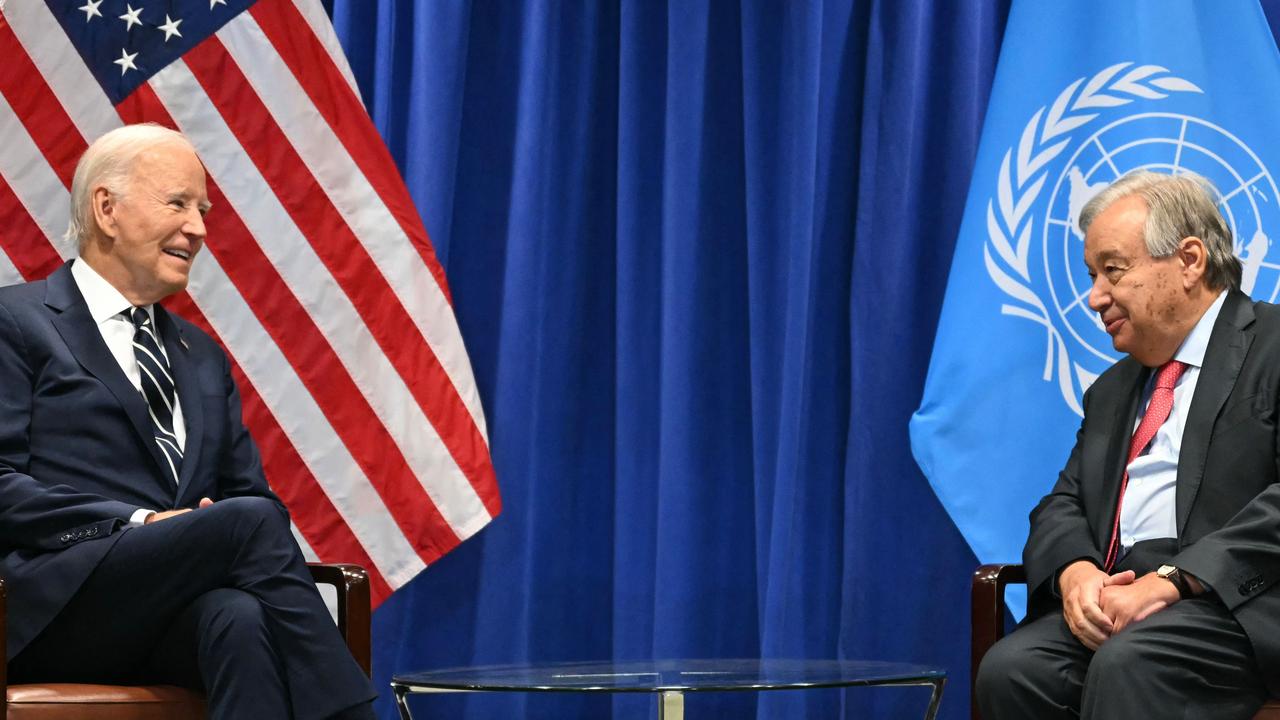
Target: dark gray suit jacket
(77, 451)
(1228, 499)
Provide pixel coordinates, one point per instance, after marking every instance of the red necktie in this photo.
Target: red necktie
(1158, 409)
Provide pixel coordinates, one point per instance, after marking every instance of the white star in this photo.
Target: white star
(170, 27)
(126, 62)
(213, 3)
(130, 17)
(90, 9)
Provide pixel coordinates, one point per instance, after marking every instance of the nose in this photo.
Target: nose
(194, 228)
(1099, 294)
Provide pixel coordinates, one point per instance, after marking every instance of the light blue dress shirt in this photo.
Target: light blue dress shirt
(1149, 507)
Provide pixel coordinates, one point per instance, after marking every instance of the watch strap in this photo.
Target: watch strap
(1179, 581)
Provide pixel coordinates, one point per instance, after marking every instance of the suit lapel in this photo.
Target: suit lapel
(1133, 376)
(1228, 346)
(81, 334)
(184, 378)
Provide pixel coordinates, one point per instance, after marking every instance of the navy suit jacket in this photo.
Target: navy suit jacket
(77, 451)
(1227, 499)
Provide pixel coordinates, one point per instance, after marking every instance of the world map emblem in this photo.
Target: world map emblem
(1096, 130)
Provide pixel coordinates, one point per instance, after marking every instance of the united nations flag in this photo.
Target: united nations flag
(1085, 92)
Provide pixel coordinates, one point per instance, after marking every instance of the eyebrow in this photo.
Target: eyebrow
(1107, 255)
(203, 205)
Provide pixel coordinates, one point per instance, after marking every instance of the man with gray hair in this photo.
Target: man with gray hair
(1152, 566)
(138, 538)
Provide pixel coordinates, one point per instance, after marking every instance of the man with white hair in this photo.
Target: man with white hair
(1152, 566)
(138, 538)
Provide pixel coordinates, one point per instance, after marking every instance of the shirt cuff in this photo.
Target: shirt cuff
(139, 517)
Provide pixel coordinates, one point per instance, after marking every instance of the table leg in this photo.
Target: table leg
(402, 704)
(671, 705)
(935, 699)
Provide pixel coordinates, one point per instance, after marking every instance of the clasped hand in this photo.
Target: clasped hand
(158, 516)
(1097, 605)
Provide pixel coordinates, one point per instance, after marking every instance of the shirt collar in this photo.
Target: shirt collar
(1194, 346)
(104, 301)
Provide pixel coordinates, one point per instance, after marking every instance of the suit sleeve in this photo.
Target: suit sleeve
(34, 514)
(240, 472)
(1242, 558)
(1060, 531)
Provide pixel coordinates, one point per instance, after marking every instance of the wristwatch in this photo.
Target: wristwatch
(1175, 576)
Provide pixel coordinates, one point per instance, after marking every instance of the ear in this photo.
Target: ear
(104, 211)
(1194, 258)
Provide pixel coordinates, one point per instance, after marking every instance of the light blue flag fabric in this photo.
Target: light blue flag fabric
(1085, 91)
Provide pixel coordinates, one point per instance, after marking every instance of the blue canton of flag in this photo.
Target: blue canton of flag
(125, 43)
(1084, 92)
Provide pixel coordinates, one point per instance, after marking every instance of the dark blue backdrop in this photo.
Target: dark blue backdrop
(697, 251)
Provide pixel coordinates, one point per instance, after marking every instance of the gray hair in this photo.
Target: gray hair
(108, 163)
(1178, 206)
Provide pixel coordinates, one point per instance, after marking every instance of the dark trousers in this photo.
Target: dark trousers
(218, 599)
(1190, 660)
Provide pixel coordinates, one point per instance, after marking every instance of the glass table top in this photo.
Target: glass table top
(670, 675)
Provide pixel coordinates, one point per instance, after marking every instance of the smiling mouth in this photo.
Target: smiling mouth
(180, 254)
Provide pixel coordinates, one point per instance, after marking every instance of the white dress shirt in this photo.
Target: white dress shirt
(105, 305)
(1149, 509)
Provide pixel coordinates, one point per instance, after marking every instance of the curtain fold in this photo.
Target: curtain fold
(697, 252)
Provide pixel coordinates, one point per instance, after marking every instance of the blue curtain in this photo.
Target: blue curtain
(697, 251)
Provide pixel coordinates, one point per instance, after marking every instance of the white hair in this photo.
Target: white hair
(1178, 206)
(108, 163)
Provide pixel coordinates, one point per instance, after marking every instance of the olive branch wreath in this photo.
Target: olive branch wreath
(1021, 179)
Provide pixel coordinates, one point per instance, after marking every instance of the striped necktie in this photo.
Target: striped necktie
(157, 387)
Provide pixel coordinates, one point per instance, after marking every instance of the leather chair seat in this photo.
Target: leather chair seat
(75, 701)
(51, 701)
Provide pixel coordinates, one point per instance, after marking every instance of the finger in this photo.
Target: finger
(1075, 619)
(1089, 636)
(1094, 616)
(1121, 578)
(1089, 633)
(157, 517)
(1120, 624)
(205, 502)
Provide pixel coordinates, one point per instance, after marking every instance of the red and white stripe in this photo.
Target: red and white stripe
(319, 278)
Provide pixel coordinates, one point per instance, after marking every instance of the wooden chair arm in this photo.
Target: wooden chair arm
(987, 615)
(352, 584)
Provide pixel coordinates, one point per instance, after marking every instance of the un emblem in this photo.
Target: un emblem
(1106, 143)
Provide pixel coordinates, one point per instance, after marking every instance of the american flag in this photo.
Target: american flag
(318, 278)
